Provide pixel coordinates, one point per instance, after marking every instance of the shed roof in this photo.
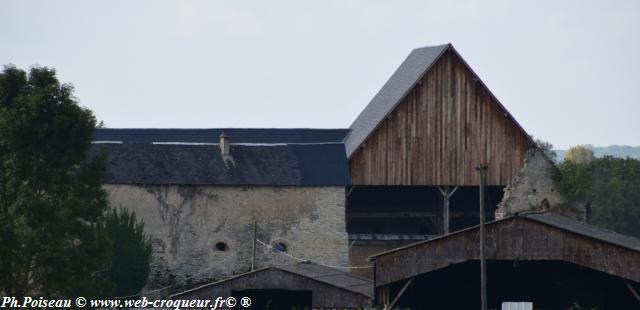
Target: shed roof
(551, 219)
(326, 275)
(210, 135)
(586, 230)
(537, 237)
(188, 164)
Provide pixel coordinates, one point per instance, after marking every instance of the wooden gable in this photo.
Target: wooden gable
(447, 123)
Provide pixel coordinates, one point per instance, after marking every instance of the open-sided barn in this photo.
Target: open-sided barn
(550, 260)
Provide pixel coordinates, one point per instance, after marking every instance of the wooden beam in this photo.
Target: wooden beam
(482, 169)
(350, 190)
(253, 247)
(447, 192)
(402, 290)
(632, 290)
(409, 214)
(382, 294)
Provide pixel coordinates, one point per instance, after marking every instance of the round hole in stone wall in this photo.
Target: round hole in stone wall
(221, 246)
(279, 247)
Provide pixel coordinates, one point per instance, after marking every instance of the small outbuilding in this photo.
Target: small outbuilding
(549, 260)
(304, 285)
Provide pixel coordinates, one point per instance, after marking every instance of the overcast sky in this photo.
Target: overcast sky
(567, 70)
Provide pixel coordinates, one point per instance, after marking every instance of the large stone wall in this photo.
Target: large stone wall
(186, 222)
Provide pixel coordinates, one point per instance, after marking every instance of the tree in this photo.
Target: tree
(615, 200)
(52, 205)
(609, 186)
(131, 253)
(580, 154)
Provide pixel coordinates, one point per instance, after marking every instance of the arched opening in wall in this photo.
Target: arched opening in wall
(279, 246)
(221, 246)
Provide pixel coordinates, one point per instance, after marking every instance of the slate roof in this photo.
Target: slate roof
(210, 135)
(393, 91)
(264, 164)
(313, 271)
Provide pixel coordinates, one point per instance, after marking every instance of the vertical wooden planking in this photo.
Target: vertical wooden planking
(444, 127)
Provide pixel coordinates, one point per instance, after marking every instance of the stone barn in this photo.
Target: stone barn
(200, 191)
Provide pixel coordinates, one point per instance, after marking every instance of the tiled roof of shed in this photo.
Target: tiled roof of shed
(313, 271)
(331, 276)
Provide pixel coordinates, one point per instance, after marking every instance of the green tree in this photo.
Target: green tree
(615, 199)
(574, 180)
(52, 205)
(609, 186)
(131, 252)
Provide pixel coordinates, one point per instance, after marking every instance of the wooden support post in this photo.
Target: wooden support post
(253, 249)
(402, 290)
(446, 195)
(633, 291)
(482, 169)
(383, 296)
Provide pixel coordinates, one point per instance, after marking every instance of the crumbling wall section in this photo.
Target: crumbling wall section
(534, 190)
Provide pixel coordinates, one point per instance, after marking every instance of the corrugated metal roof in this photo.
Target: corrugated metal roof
(211, 135)
(393, 91)
(283, 164)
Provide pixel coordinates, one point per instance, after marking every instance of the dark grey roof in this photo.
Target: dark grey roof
(586, 230)
(270, 164)
(393, 91)
(211, 135)
(331, 276)
(551, 219)
(313, 271)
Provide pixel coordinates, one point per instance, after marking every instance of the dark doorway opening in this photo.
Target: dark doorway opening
(276, 299)
(415, 210)
(550, 285)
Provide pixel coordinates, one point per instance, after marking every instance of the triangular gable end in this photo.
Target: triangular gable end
(431, 123)
(412, 69)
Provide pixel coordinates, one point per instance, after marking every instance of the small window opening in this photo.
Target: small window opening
(221, 246)
(279, 247)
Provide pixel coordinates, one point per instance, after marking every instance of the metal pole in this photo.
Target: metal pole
(482, 169)
(253, 249)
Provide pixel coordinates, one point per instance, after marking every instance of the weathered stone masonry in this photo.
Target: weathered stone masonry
(186, 222)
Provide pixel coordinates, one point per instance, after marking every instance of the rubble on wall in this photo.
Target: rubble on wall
(533, 190)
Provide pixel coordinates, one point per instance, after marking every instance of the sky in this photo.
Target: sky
(567, 70)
